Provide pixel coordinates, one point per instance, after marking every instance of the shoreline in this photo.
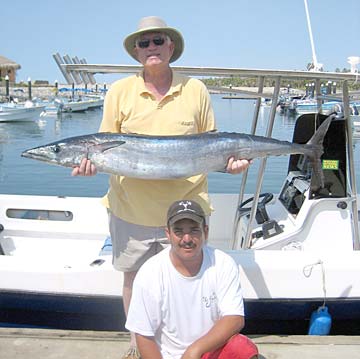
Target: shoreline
(44, 92)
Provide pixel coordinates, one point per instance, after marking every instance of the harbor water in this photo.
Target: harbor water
(19, 175)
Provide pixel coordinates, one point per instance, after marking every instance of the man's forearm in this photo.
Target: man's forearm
(216, 337)
(147, 347)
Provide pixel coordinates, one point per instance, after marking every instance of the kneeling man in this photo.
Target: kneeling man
(187, 301)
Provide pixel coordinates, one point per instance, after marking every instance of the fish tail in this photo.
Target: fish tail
(315, 145)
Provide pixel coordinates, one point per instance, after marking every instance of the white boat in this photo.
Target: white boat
(80, 104)
(28, 111)
(311, 106)
(95, 101)
(297, 249)
(73, 106)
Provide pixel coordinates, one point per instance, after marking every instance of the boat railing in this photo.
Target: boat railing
(277, 77)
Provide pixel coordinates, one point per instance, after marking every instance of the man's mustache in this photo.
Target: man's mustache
(188, 245)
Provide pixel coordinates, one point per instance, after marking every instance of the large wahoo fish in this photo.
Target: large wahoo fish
(168, 157)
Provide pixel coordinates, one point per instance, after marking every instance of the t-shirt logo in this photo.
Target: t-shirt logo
(211, 299)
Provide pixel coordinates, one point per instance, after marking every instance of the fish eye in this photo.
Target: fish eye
(56, 148)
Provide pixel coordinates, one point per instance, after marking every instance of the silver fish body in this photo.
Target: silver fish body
(169, 157)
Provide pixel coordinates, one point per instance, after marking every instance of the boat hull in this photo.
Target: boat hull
(10, 114)
(91, 312)
(61, 311)
(88, 103)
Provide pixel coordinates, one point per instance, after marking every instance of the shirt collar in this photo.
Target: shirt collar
(176, 84)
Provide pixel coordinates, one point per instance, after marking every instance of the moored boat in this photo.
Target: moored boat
(79, 105)
(311, 106)
(21, 112)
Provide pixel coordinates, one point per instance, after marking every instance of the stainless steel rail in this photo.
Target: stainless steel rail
(213, 71)
(277, 76)
(247, 240)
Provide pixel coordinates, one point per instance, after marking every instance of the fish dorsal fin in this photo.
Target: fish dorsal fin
(109, 145)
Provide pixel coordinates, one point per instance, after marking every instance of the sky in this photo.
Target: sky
(257, 34)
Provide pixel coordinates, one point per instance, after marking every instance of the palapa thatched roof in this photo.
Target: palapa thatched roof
(6, 63)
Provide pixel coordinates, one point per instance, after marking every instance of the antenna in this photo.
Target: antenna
(316, 66)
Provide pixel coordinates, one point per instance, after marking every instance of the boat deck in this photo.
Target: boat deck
(18, 343)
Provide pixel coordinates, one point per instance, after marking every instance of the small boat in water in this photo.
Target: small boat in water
(27, 111)
(80, 104)
(311, 106)
(297, 249)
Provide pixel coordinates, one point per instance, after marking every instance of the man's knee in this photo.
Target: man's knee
(238, 347)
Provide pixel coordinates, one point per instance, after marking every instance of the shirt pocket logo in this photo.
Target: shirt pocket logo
(187, 123)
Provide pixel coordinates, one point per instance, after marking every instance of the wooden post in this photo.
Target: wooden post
(29, 88)
(328, 90)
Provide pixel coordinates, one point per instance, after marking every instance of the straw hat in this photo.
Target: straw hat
(155, 24)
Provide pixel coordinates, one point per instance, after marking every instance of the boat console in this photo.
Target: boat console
(280, 219)
(293, 193)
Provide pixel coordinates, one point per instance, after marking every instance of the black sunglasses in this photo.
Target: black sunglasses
(157, 40)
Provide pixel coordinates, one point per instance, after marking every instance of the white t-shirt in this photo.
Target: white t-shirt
(177, 310)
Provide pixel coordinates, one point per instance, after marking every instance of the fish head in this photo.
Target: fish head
(63, 153)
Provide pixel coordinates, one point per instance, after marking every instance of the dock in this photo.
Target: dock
(19, 343)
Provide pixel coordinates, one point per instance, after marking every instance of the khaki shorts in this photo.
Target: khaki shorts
(133, 245)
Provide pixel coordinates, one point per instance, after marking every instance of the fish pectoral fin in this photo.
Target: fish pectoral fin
(109, 145)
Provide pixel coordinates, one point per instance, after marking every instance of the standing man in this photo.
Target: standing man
(187, 301)
(156, 101)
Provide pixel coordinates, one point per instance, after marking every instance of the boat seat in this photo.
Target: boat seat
(334, 152)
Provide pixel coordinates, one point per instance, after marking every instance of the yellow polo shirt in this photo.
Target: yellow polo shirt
(130, 108)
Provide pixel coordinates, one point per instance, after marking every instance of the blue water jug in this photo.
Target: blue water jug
(320, 322)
